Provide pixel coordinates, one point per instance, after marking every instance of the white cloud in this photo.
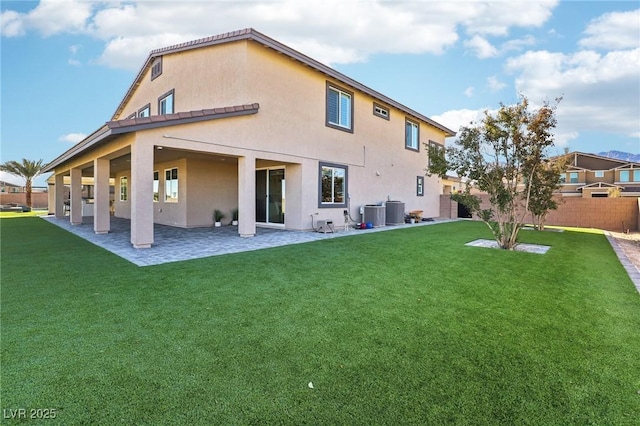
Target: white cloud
(468, 92)
(8, 177)
(454, 119)
(494, 84)
(361, 29)
(616, 30)
(481, 47)
(12, 24)
(49, 17)
(600, 91)
(72, 137)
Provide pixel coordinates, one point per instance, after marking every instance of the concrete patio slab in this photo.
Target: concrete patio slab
(174, 244)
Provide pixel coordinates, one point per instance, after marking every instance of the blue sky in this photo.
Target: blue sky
(65, 65)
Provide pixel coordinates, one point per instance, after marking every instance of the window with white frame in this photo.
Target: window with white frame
(165, 103)
(624, 175)
(339, 108)
(599, 173)
(411, 135)
(124, 189)
(333, 185)
(171, 185)
(156, 186)
(573, 177)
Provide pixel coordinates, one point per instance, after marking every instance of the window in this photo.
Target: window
(563, 178)
(599, 173)
(573, 177)
(156, 186)
(123, 188)
(333, 185)
(156, 68)
(636, 175)
(380, 111)
(171, 185)
(411, 135)
(339, 109)
(165, 103)
(624, 175)
(132, 116)
(145, 111)
(420, 186)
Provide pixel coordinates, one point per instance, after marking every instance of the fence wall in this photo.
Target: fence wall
(39, 200)
(612, 214)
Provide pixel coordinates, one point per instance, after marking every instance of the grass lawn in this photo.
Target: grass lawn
(401, 327)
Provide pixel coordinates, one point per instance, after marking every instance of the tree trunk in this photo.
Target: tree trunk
(28, 192)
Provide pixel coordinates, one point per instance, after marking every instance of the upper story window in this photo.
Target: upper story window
(165, 103)
(132, 116)
(599, 173)
(626, 175)
(380, 111)
(573, 177)
(411, 135)
(156, 68)
(145, 111)
(339, 108)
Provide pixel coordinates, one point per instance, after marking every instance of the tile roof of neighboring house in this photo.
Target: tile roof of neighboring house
(575, 155)
(118, 127)
(251, 34)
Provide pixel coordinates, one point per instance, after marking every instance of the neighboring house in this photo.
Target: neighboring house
(242, 121)
(10, 188)
(590, 175)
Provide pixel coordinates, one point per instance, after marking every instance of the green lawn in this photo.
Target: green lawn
(401, 327)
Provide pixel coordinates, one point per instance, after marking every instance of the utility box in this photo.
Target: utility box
(395, 213)
(325, 226)
(375, 214)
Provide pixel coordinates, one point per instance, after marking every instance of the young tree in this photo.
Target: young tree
(28, 170)
(502, 156)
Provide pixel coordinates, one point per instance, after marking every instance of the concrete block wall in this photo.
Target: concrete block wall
(611, 214)
(39, 200)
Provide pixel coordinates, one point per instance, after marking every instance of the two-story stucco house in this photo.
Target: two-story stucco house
(590, 175)
(242, 121)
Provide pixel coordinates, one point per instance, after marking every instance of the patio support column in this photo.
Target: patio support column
(76, 196)
(59, 196)
(247, 196)
(141, 191)
(101, 215)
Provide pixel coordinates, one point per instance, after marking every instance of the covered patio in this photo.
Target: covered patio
(173, 244)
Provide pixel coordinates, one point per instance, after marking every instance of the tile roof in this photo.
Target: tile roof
(119, 127)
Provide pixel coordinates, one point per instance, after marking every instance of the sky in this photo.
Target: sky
(66, 65)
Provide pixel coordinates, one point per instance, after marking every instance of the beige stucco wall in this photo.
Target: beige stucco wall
(289, 130)
(211, 185)
(202, 78)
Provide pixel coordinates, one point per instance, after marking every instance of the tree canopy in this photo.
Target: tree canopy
(505, 155)
(27, 169)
